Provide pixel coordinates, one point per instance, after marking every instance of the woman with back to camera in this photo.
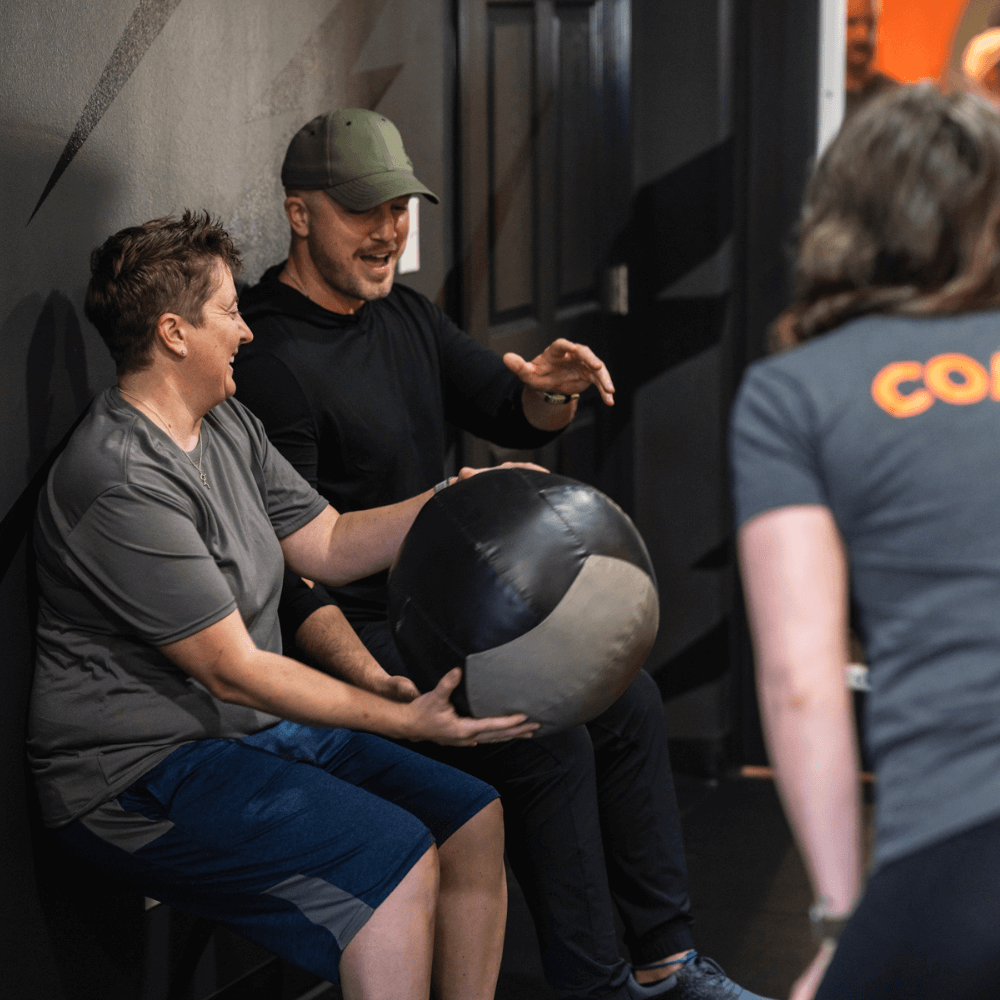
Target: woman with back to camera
(867, 462)
(156, 732)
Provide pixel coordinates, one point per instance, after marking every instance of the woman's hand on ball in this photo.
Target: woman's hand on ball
(436, 719)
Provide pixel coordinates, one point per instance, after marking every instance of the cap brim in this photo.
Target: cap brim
(363, 193)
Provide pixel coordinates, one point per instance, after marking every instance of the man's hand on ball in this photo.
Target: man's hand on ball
(563, 367)
(437, 720)
(396, 688)
(466, 472)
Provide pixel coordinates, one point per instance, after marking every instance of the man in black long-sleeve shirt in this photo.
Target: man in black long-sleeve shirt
(355, 380)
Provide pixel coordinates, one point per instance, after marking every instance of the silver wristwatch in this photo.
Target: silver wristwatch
(826, 926)
(560, 398)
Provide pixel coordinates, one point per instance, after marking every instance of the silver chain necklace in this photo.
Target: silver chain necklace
(201, 438)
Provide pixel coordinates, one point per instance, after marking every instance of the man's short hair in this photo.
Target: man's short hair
(165, 265)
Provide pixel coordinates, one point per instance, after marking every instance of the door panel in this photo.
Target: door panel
(579, 95)
(511, 164)
(545, 174)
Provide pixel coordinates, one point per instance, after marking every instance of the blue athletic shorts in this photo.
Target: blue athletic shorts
(292, 836)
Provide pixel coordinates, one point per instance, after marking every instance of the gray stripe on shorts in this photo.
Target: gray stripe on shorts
(323, 904)
(124, 829)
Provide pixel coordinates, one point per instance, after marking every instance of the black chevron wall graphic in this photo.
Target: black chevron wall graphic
(323, 67)
(144, 25)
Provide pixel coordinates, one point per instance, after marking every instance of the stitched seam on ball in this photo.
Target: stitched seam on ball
(477, 547)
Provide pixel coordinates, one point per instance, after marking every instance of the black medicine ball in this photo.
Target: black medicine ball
(538, 586)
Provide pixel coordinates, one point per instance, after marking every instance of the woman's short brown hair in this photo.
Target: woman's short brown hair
(166, 265)
(902, 215)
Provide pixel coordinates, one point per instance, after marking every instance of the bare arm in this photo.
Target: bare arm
(337, 548)
(794, 573)
(225, 660)
(327, 638)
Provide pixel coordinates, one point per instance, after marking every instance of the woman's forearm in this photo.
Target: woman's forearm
(224, 659)
(338, 548)
(286, 688)
(794, 571)
(810, 738)
(365, 541)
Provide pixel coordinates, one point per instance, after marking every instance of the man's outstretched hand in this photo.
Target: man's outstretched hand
(563, 367)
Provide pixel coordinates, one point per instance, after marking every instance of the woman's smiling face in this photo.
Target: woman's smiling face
(215, 342)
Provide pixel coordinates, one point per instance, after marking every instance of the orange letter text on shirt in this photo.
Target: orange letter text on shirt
(885, 389)
(938, 378)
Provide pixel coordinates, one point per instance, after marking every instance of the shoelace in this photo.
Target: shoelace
(707, 968)
(670, 961)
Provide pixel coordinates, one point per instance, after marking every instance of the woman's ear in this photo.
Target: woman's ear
(171, 332)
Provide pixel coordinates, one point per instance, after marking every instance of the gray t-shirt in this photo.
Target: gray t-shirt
(134, 552)
(894, 424)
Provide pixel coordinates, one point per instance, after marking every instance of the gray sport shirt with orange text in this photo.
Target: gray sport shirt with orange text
(894, 424)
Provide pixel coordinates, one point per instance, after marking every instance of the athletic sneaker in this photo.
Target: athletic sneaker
(699, 979)
(637, 991)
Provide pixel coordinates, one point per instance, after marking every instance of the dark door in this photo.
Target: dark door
(544, 183)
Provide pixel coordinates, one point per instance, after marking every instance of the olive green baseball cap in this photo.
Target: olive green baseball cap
(353, 154)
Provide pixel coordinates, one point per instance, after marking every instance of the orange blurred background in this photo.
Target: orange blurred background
(915, 38)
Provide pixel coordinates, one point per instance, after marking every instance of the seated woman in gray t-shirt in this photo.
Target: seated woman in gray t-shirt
(866, 461)
(156, 733)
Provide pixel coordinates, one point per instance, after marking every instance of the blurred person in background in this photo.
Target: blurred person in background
(865, 486)
(981, 62)
(862, 81)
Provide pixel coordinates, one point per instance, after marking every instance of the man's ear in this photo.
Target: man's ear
(171, 333)
(298, 215)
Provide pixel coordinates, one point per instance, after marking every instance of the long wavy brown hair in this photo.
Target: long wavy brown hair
(901, 216)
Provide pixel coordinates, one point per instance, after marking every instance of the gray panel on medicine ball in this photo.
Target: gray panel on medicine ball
(577, 662)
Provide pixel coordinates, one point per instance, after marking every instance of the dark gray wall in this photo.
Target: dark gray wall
(679, 250)
(775, 122)
(724, 97)
(147, 108)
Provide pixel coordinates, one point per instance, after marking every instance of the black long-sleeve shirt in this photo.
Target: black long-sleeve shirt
(359, 404)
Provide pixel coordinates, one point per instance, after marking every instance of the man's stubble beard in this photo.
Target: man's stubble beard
(342, 279)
